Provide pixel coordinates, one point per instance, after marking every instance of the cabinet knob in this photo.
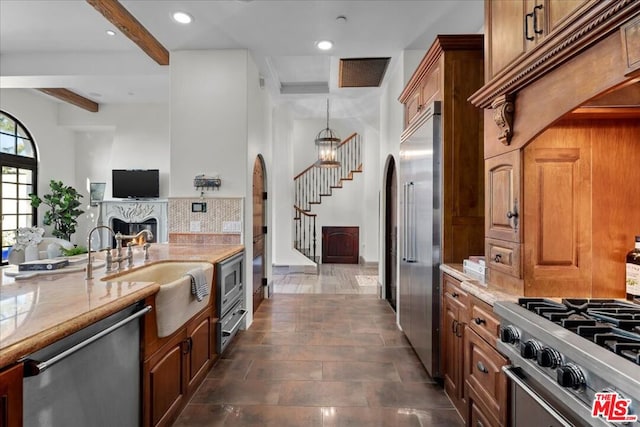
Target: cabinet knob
(455, 295)
(512, 214)
(497, 258)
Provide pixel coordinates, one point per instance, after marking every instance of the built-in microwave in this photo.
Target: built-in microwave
(229, 283)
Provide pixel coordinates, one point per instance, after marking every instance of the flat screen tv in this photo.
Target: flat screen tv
(135, 183)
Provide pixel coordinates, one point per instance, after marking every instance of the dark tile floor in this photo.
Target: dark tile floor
(320, 360)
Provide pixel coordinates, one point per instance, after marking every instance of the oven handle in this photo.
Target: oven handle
(507, 369)
(33, 367)
(229, 332)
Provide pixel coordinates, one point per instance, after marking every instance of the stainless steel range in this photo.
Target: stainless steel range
(564, 353)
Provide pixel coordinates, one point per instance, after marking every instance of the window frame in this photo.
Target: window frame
(19, 162)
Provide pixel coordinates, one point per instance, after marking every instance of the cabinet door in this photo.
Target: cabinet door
(483, 372)
(454, 319)
(502, 196)
(506, 42)
(11, 397)
(557, 212)
(411, 108)
(165, 384)
(558, 10)
(200, 350)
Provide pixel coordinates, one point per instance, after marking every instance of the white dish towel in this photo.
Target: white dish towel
(199, 285)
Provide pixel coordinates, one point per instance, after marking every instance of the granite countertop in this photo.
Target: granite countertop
(478, 288)
(38, 311)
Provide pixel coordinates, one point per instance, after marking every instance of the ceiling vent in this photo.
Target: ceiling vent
(362, 72)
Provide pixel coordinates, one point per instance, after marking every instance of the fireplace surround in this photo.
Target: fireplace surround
(134, 215)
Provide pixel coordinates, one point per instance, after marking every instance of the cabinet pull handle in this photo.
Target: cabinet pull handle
(497, 258)
(479, 424)
(479, 321)
(482, 368)
(454, 326)
(513, 215)
(535, 19)
(459, 330)
(455, 295)
(186, 346)
(526, 26)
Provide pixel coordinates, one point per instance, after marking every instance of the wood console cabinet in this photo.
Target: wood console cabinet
(11, 396)
(176, 367)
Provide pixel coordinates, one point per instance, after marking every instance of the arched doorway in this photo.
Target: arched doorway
(390, 233)
(259, 232)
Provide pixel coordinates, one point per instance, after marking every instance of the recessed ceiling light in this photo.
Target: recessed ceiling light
(324, 44)
(182, 17)
(110, 33)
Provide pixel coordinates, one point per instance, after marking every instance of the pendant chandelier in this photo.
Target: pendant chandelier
(327, 145)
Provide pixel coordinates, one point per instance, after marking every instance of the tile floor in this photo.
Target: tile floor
(332, 356)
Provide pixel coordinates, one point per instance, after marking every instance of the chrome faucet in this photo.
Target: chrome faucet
(129, 256)
(89, 265)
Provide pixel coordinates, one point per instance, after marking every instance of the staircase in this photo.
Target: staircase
(314, 183)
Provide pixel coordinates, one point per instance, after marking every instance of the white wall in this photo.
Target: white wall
(55, 144)
(209, 120)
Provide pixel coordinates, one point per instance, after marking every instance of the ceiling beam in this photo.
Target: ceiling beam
(72, 98)
(116, 13)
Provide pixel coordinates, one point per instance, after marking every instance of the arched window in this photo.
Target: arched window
(19, 162)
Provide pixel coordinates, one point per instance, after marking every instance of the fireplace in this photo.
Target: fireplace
(132, 216)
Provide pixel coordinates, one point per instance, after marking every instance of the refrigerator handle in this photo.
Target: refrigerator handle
(411, 223)
(405, 225)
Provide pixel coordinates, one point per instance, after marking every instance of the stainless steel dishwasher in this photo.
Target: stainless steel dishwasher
(90, 378)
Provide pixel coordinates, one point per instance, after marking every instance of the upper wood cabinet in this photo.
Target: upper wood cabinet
(517, 26)
(451, 70)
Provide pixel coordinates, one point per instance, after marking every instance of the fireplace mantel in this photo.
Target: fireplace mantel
(135, 211)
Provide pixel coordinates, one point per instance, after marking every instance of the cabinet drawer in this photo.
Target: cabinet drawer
(483, 321)
(479, 416)
(452, 287)
(483, 372)
(504, 256)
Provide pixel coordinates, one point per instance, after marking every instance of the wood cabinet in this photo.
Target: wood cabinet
(517, 26)
(472, 366)
(503, 197)
(451, 70)
(486, 384)
(176, 368)
(11, 396)
(453, 325)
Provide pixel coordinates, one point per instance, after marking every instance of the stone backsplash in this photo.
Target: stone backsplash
(220, 224)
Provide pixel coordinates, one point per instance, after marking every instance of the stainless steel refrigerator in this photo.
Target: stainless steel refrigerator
(420, 231)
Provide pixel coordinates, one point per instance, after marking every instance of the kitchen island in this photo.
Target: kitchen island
(45, 310)
(39, 311)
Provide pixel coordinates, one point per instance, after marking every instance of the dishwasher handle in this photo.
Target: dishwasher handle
(34, 367)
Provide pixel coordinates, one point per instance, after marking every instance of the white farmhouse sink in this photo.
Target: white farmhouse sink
(175, 304)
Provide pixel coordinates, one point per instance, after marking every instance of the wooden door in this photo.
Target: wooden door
(340, 245)
(391, 236)
(503, 183)
(259, 197)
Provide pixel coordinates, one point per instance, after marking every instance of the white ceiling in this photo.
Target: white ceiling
(62, 43)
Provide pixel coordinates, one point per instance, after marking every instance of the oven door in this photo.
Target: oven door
(528, 406)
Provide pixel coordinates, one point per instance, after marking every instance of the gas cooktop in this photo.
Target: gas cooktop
(612, 324)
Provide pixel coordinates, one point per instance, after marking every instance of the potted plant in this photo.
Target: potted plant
(64, 208)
